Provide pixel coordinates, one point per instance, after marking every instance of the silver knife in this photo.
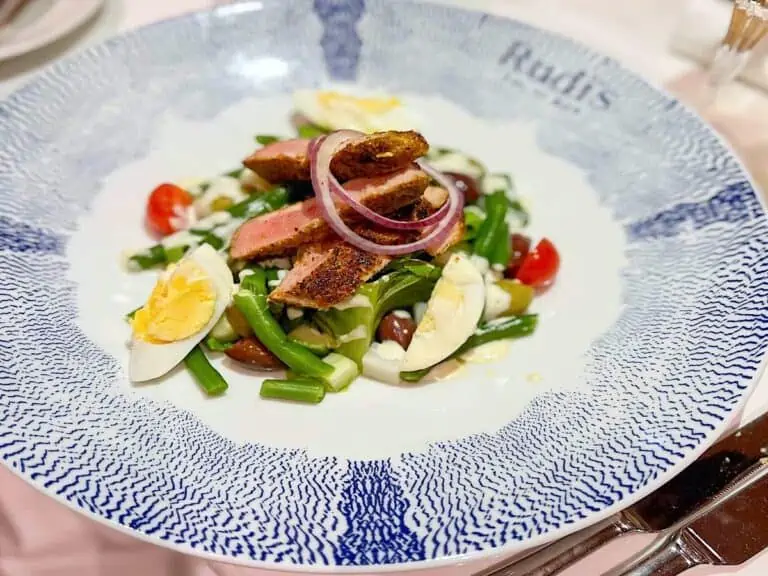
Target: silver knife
(730, 531)
(687, 492)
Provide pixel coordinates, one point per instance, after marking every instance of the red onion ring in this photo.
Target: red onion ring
(367, 213)
(321, 152)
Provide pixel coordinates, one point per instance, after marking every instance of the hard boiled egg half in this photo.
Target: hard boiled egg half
(338, 111)
(188, 299)
(452, 314)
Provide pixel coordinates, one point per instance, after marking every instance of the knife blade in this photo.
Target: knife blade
(687, 492)
(728, 532)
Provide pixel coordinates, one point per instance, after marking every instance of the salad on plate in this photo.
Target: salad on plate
(354, 248)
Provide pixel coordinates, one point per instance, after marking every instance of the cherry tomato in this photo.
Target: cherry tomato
(540, 265)
(165, 205)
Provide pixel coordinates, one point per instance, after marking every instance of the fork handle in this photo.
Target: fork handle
(558, 556)
(670, 556)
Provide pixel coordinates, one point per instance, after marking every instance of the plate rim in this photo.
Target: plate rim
(37, 42)
(489, 555)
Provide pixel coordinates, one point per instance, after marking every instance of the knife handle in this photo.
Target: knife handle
(558, 556)
(671, 555)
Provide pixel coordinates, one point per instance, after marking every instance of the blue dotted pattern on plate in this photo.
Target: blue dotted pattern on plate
(685, 349)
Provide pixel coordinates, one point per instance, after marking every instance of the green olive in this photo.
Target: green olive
(221, 203)
(520, 296)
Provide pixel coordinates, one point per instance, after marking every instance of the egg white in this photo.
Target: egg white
(383, 361)
(448, 323)
(306, 103)
(149, 361)
(344, 117)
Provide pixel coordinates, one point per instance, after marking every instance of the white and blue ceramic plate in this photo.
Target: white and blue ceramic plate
(649, 342)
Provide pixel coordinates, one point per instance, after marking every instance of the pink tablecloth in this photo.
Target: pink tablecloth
(40, 537)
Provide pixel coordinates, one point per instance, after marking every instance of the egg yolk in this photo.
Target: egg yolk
(368, 105)
(181, 304)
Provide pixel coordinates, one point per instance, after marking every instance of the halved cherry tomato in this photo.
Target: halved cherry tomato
(164, 207)
(540, 266)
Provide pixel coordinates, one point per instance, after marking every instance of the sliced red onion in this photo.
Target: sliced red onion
(322, 151)
(367, 213)
(381, 220)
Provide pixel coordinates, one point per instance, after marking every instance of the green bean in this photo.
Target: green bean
(503, 182)
(251, 300)
(492, 228)
(267, 139)
(149, 258)
(259, 204)
(500, 252)
(509, 327)
(216, 345)
(206, 375)
(206, 237)
(308, 390)
(415, 375)
(272, 276)
(311, 131)
(175, 253)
